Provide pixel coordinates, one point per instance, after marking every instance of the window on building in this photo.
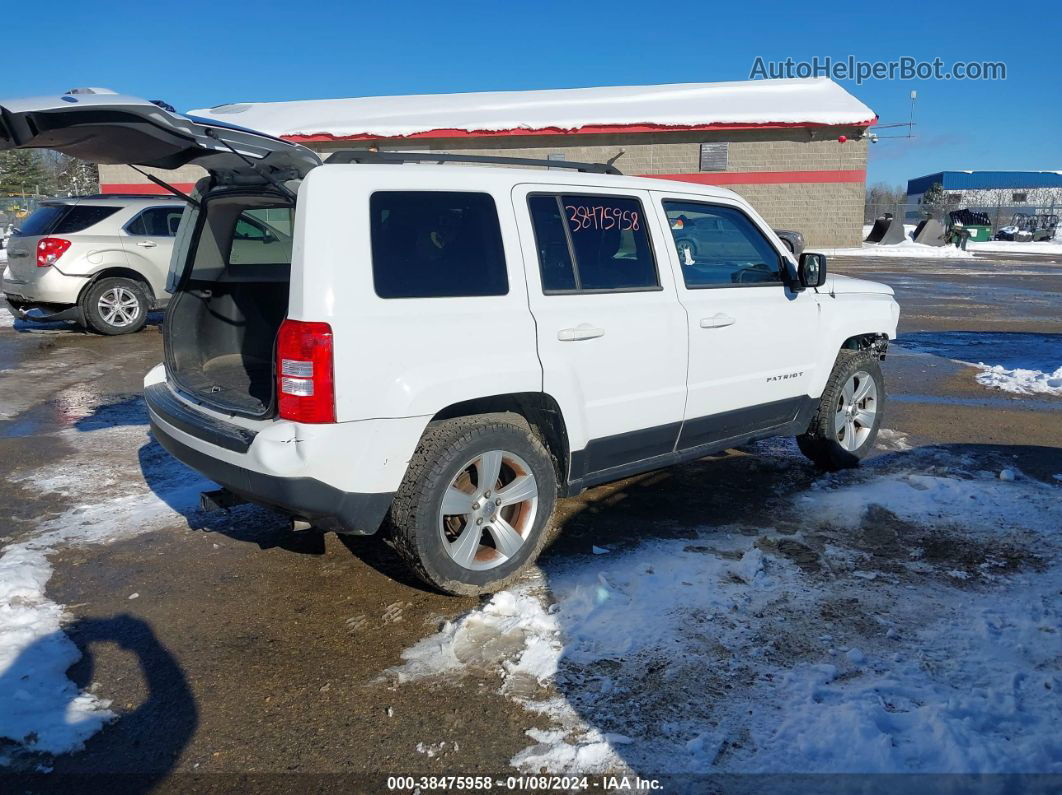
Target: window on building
(156, 222)
(953, 198)
(592, 243)
(714, 156)
(1019, 198)
(434, 244)
(720, 247)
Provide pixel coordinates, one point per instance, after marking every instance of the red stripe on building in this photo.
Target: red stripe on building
(590, 129)
(765, 177)
(701, 178)
(144, 188)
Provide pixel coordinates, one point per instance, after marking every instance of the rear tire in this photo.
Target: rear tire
(115, 305)
(849, 414)
(466, 537)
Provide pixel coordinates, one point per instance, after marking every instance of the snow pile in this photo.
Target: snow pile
(1020, 381)
(7, 318)
(799, 101)
(40, 708)
(1012, 247)
(708, 655)
(908, 248)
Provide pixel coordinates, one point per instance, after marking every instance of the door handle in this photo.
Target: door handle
(580, 332)
(717, 321)
(147, 244)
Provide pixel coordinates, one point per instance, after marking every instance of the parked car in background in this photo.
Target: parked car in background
(99, 260)
(792, 240)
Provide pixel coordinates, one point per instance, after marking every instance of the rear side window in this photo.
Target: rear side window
(592, 243)
(81, 217)
(436, 244)
(156, 222)
(40, 221)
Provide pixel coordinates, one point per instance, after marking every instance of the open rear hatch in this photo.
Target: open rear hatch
(231, 297)
(232, 257)
(112, 128)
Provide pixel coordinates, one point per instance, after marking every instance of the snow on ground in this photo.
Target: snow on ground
(1012, 247)
(908, 248)
(1021, 381)
(7, 319)
(40, 708)
(1019, 363)
(910, 622)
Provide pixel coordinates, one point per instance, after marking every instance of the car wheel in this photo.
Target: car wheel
(115, 306)
(475, 505)
(849, 413)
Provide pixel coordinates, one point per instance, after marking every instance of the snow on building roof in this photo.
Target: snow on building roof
(747, 103)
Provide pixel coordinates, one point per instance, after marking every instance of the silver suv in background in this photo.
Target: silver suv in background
(99, 260)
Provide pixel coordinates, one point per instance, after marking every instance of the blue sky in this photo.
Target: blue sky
(199, 54)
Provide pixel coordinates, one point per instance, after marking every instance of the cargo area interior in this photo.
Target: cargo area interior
(223, 321)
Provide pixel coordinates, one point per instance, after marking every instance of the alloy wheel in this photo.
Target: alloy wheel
(119, 306)
(857, 407)
(488, 510)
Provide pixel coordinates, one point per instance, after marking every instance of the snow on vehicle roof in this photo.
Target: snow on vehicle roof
(798, 102)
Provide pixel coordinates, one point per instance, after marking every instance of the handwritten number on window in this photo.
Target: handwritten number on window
(602, 218)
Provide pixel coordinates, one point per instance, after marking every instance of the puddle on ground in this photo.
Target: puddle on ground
(1012, 350)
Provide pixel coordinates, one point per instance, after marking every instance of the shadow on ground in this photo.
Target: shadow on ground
(150, 736)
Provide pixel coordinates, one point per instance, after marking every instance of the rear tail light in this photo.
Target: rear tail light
(305, 386)
(49, 250)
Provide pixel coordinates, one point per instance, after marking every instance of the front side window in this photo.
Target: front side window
(156, 222)
(592, 243)
(720, 247)
(436, 244)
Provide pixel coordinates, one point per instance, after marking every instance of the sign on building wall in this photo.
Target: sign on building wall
(714, 156)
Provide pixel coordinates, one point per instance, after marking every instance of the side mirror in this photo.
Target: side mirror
(812, 269)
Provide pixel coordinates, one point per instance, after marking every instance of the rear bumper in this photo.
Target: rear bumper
(48, 286)
(200, 446)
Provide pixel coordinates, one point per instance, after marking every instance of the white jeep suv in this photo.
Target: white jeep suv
(442, 351)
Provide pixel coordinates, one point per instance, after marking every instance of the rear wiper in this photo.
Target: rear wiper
(276, 183)
(167, 186)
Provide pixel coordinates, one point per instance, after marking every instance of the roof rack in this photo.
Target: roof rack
(366, 156)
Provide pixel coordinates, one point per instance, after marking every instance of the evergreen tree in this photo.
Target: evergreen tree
(23, 173)
(934, 201)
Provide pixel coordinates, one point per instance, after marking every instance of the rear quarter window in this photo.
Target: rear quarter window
(79, 218)
(40, 221)
(436, 244)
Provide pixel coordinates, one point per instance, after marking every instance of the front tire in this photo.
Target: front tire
(115, 306)
(476, 502)
(849, 414)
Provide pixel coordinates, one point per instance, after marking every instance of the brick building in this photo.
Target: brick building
(796, 149)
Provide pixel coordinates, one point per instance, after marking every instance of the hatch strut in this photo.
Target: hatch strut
(167, 186)
(276, 183)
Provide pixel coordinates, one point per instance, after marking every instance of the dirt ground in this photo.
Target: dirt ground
(229, 645)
